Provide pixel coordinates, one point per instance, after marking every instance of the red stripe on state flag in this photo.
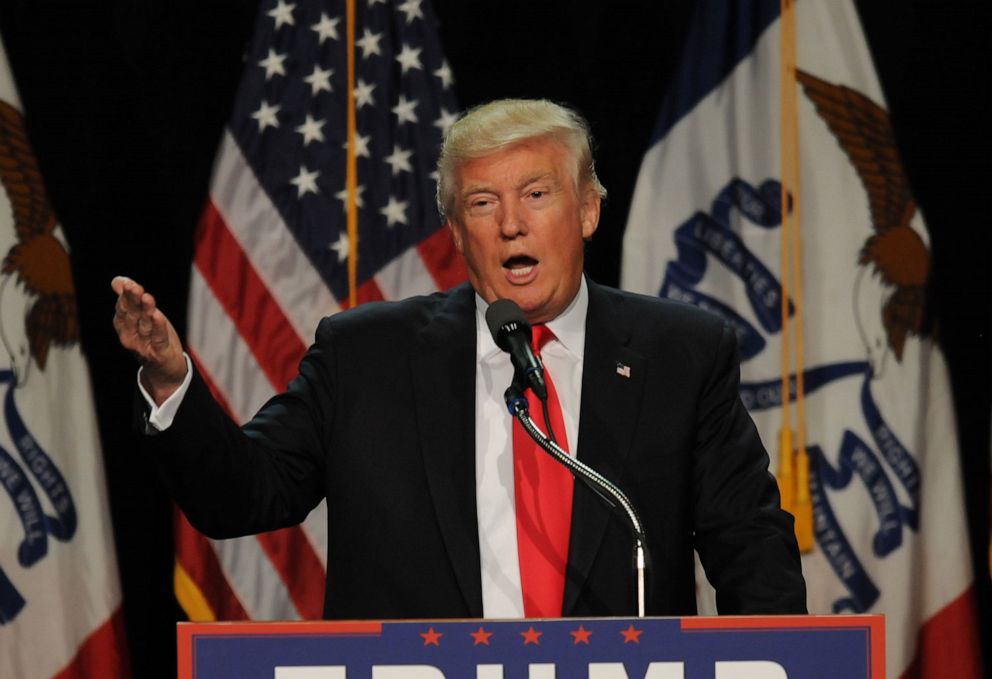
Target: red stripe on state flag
(102, 654)
(442, 259)
(290, 551)
(246, 299)
(200, 562)
(947, 644)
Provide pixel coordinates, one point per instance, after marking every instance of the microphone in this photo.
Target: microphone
(512, 334)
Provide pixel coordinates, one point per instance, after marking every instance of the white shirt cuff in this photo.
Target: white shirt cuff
(160, 417)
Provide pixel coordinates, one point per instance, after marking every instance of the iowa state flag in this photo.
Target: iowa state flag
(60, 600)
(773, 195)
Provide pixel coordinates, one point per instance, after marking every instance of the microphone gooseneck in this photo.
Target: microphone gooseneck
(603, 487)
(512, 334)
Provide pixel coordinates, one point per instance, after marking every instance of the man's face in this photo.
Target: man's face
(519, 221)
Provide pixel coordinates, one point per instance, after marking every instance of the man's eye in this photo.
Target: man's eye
(538, 194)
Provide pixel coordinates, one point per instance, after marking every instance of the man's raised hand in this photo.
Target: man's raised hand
(145, 331)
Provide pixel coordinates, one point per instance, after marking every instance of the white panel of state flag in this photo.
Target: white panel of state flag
(705, 227)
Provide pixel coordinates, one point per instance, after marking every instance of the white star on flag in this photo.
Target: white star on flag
(319, 80)
(394, 211)
(409, 57)
(363, 94)
(369, 42)
(341, 246)
(305, 182)
(266, 115)
(311, 130)
(404, 110)
(273, 64)
(412, 10)
(326, 28)
(342, 195)
(445, 120)
(399, 160)
(444, 73)
(283, 14)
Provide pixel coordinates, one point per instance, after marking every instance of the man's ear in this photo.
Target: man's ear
(456, 234)
(589, 212)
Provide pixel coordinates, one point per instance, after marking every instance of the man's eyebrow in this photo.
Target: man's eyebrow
(473, 189)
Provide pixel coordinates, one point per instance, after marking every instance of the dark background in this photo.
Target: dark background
(125, 102)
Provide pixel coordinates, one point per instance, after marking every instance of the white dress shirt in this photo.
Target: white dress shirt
(502, 596)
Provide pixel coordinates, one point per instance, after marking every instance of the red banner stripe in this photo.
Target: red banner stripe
(299, 567)
(947, 644)
(442, 260)
(103, 654)
(244, 296)
(198, 558)
(368, 291)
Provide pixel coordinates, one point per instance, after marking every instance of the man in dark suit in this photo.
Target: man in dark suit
(396, 417)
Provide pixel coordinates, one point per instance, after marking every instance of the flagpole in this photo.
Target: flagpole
(351, 181)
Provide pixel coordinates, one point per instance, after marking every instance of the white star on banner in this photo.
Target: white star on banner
(444, 73)
(319, 80)
(369, 42)
(311, 130)
(266, 115)
(273, 64)
(341, 246)
(395, 212)
(342, 195)
(404, 110)
(363, 94)
(361, 145)
(409, 57)
(326, 28)
(399, 160)
(412, 10)
(283, 14)
(445, 121)
(305, 182)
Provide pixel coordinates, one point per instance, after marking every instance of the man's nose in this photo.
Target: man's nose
(512, 220)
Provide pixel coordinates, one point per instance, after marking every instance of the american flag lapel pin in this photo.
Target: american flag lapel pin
(623, 370)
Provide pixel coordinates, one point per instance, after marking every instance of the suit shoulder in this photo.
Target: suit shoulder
(661, 312)
(382, 316)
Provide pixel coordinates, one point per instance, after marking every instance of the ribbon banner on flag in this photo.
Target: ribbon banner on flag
(60, 600)
(322, 198)
(773, 195)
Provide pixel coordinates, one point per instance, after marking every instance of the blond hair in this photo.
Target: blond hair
(492, 127)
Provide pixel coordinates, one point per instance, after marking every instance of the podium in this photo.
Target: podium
(727, 647)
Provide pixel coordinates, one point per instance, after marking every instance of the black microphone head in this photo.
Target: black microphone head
(503, 317)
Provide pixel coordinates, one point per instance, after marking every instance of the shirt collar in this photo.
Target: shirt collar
(569, 326)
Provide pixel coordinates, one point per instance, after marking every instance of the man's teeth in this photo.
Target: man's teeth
(521, 271)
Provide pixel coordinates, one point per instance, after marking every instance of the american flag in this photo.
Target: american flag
(274, 251)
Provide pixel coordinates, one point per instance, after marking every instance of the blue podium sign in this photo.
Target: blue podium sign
(746, 647)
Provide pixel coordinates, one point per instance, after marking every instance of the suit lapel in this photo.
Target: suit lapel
(612, 382)
(444, 382)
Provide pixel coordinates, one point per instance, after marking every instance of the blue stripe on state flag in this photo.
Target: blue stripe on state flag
(731, 29)
(290, 119)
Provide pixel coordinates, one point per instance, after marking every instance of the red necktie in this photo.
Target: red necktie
(543, 498)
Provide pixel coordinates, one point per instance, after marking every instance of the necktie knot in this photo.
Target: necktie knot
(540, 335)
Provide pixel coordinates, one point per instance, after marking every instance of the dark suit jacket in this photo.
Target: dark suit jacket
(380, 420)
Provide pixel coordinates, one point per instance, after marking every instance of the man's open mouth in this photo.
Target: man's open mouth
(520, 265)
